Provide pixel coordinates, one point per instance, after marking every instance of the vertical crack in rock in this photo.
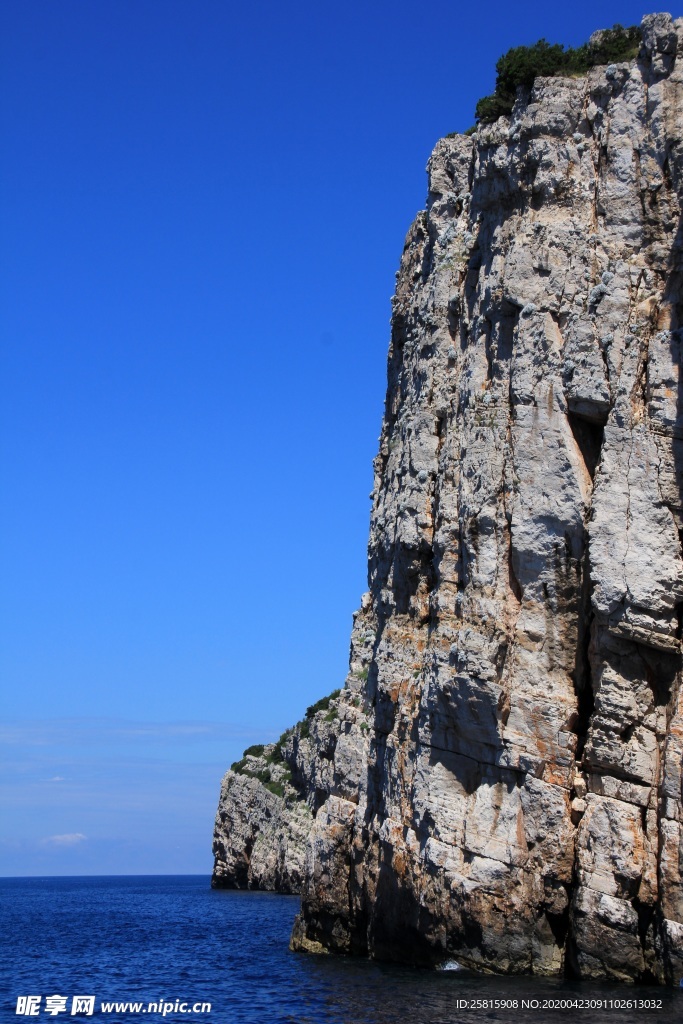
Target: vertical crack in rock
(583, 679)
(589, 437)
(499, 781)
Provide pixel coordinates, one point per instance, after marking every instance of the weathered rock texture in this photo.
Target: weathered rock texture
(259, 836)
(508, 790)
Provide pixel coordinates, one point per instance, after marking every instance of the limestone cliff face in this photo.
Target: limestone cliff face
(502, 783)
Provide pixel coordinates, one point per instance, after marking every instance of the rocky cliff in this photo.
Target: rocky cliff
(500, 779)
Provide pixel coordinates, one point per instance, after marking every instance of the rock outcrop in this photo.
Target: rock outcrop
(501, 783)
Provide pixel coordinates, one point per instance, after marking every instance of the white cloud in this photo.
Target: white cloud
(56, 778)
(69, 839)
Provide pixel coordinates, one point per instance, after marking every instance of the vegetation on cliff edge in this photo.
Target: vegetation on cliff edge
(275, 754)
(521, 65)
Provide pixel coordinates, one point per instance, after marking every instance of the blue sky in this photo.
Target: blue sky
(203, 208)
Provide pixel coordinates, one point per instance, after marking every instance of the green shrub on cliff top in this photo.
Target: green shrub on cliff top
(278, 753)
(255, 750)
(322, 704)
(521, 65)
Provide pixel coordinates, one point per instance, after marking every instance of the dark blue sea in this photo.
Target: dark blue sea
(173, 944)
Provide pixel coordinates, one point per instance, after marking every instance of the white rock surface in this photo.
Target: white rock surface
(507, 793)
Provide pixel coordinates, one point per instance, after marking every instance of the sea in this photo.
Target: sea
(169, 948)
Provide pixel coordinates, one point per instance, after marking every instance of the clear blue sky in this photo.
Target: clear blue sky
(203, 208)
